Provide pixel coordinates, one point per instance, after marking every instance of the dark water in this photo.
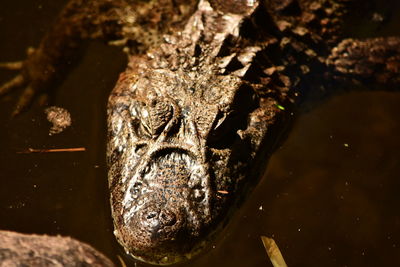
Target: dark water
(330, 196)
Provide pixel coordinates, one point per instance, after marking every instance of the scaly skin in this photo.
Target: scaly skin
(183, 127)
(208, 93)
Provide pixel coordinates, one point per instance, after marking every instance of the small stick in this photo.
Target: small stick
(33, 150)
(122, 261)
(273, 252)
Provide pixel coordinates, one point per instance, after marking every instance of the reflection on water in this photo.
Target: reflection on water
(329, 197)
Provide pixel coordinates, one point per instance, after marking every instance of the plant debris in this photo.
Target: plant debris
(273, 252)
(52, 150)
(59, 117)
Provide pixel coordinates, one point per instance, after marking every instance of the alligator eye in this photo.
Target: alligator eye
(224, 131)
(160, 113)
(226, 125)
(149, 119)
(204, 120)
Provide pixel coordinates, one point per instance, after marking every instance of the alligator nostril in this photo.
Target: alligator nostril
(151, 215)
(167, 218)
(149, 220)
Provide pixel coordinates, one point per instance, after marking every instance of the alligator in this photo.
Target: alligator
(210, 90)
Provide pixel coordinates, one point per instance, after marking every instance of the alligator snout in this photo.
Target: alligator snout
(165, 208)
(154, 220)
(157, 232)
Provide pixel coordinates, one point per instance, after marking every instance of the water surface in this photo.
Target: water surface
(330, 195)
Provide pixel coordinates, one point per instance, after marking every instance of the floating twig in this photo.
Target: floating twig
(52, 150)
(123, 264)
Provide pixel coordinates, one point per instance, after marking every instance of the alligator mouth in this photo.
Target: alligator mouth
(165, 203)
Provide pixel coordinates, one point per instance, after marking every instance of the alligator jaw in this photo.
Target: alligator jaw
(165, 203)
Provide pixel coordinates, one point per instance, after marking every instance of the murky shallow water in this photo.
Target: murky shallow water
(330, 196)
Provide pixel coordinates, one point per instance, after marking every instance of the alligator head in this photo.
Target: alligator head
(185, 131)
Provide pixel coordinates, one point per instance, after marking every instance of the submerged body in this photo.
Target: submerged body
(208, 92)
(175, 108)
